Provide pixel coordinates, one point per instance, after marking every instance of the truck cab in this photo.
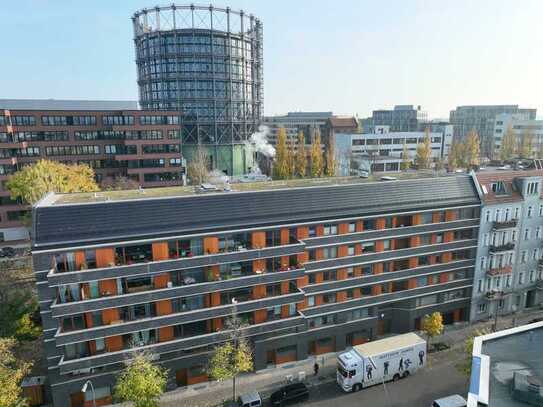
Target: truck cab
(350, 371)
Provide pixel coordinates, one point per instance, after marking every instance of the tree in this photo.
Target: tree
(452, 158)
(12, 372)
(291, 158)
(472, 151)
(141, 382)
(465, 366)
(423, 158)
(198, 167)
(281, 165)
(301, 156)
(34, 181)
(507, 148)
(526, 145)
(330, 161)
(406, 160)
(432, 325)
(232, 357)
(316, 155)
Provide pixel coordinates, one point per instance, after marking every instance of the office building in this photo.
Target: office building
(521, 127)
(400, 119)
(481, 118)
(113, 138)
(312, 270)
(295, 122)
(382, 151)
(206, 62)
(508, 271)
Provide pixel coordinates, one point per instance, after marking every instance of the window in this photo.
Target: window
(330, 230)
(517, 210)
(538, 232)
(521, 278)
(23, 120)
(350, 250)
(524, 256)
(352, 227)
(480, 286)
(482, 262)
(311, 301)
(530, 210)
(532, 276)
(118, 120)
(535, 253)
(526, 234)
(514, 235)
(488, 281)
(329, 252)
(497, 282)
(540, 210)
(481, 307)
(369, 224)
(508, 281)
(487, 216)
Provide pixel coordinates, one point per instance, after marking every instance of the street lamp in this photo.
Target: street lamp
(84, 390)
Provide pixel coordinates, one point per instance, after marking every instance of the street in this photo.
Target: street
(418, 390)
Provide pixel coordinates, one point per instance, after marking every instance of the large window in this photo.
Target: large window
(185, 248)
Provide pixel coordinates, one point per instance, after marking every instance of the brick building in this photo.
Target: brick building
(114, 138)
(313, 270)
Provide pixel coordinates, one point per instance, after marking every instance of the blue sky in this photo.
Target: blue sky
(347, 56)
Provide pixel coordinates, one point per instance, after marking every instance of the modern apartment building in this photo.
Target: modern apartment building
(481, 118)
(383, 150)
(311, 269)
(521, 127)
(401, 118)
(143, 146)
(508, 272)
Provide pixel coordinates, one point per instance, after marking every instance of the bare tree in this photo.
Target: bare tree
(198, 168)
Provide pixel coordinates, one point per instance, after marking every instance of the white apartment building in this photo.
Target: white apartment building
(521, 125)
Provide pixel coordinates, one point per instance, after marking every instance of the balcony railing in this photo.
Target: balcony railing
(502, 248)
(495, 295)
(508, 224)
(497, 271)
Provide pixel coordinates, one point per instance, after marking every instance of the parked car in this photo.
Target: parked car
(7, 251)
(251, 399)
(388, 178)
(451, 401)
(291, 393)
(363, 174)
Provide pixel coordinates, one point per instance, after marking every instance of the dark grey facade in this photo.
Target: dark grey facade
(401, 118)
(206, 62)
(337, 266)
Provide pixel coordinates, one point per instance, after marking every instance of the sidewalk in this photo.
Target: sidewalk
(266, 381)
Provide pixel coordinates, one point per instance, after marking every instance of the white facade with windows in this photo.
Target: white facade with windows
(509, 271)
(383, 150)
(521, 125)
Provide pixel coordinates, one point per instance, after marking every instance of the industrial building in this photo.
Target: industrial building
(206, 62)
(113, 138)
(310, 269)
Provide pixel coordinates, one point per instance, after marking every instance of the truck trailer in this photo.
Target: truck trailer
(379, 361)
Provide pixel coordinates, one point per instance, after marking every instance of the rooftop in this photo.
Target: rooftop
(509, 193)
(497, 357)
(178, 191)
(61, 104)
(89, 218)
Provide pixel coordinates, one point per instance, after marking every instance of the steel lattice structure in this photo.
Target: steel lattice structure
(206, 62)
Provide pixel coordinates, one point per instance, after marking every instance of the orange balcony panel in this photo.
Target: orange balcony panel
(258, 239)
(105, 257)
(302, 232)
(161, 280)
(211, 245)
(164, 307)
(380, 224)
(165, 333)
(261, 315)
(114, 343)
(160, 251)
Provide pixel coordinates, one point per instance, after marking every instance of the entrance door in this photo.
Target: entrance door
(530, 298)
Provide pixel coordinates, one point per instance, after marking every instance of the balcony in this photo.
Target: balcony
(539, 284)
(502, 248)
(495, 295)
(508, 224)
(498, 271)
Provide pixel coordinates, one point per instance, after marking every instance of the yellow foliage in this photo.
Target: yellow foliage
(12, 372)
(316, 156)
(301, 157)
(432, 324)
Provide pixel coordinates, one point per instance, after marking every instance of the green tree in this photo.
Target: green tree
(330, 161)
(465, 366)
(34, 181)
(316, 156)
(198, 166)
(507, 147)
(281, 165)
(141, 382)
(233, 356)
(423, 159)
(472, 151)
(16, 310)
(301, 156)
(432, 325)
(526, 145)
(12, 372)
(406, 160)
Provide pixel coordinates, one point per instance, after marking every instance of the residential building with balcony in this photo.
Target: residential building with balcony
(114, 138)
(508, 271)
(312, 269)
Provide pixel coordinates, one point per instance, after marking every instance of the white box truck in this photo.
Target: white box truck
(379, 361)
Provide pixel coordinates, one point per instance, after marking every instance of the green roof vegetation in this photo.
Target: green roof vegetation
(161, 192)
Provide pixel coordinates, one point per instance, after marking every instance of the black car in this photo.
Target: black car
(7, 252)
(291, 393)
